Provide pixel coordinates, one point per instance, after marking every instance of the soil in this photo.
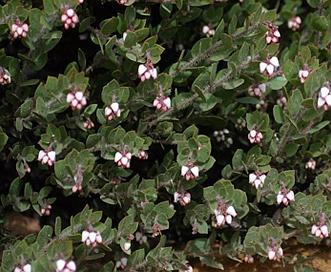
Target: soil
(318, 257)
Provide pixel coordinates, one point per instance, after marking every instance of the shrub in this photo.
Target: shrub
(129, 124)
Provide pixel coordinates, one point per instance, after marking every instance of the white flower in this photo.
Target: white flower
(190, 171)
(27, 268)
(269, 65)
(230, 210)
(325, 231)
(85, 235)
(46, 157)
(60, 264)
(271, 255)
(113, 111)
(146, 71)
(127, 246)
(257, 179)
(324, 98)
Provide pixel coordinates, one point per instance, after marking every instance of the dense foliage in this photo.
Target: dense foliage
(127, 125)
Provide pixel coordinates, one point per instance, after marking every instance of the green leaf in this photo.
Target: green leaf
(277, 83)
(314, 3)
(109, 26)
(3, 139)
(278, 114)
(291, 149)
(318, 127)
(44, 236)
(81, 59)
(232, 84)
(321, 23)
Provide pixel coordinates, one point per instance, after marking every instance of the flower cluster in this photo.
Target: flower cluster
(4, 77)
(142, 155)
(76, 99)
(162, 103)
(249, 258)
(65, 266)
(46, 157)
(208, 31)
(182, 197)
(240, 123)
(257, 90)
(19, 29)
(142, 239)
(88, 124)
(91, 238)
(69, 18)
(320, 229)
(146, 71)
(25, 268)
(122, 263)
(224, 136)
(190, 171)
(46, 210)
(304, 73)
(275, 253)
(285, 196)
(294, 23)
(324, 98)
(224, 214)
(255, 136)
(269, 66)
(112, 111)
(311, 164)
(273, 34)
(257, 179)
(123, 159)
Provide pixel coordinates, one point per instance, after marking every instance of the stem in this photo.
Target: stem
(208, 89)
(208, 52)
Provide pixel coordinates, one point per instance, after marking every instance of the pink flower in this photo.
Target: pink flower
(184, 198)
(311, 164)
(294, 23)
(69, 18)
(273, 34)
(113, 111)
(162, 103)
(65, 266)
(4, 77)
(123, 159)
(190, 171)
(25, 268)
(19, 29)
(257, 179)
(46, 157)
(324, 98)
(224, 214)
(255, 136)
(91, 238)
(146, 71)
(76, 99)
(257, 90)
(269, 66)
